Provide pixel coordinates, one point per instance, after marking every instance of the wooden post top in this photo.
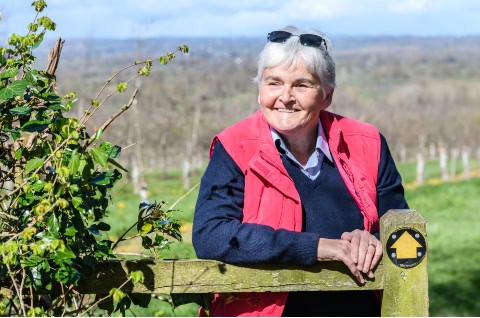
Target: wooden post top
(404, 239)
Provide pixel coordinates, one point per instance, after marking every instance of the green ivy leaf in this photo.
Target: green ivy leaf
(110, 150)
(74, 163)
(61, 257)
(51, 97)
(38, 40)
(35, 125)
(77, 203)
(70, 231)
(86, 167)
(53, 225)
(99, 133)
(38, 186)
(93, 229)
(56, 107)
(31, 77)
(99, 156)
(31, 261)
(33, 164)
(137, 277)
(20, 111)
(18, 153)
(102, 226)
(100, 179)
(106, 178)
(116, 294)
(147, 242)
(17, 88)
(67, 274)
(9, 73)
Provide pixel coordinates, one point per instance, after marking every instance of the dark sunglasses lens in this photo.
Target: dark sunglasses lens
(311, 40)
(278, 36)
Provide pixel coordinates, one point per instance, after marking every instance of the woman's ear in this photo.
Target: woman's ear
(328, 96)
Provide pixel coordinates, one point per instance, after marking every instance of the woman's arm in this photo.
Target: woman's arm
(390, 192)
(365, 248)
(218, 231)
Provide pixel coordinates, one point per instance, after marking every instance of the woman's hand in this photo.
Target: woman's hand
(339, 250)
(366, 250)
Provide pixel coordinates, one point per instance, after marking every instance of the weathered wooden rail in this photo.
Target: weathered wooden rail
(402, 274)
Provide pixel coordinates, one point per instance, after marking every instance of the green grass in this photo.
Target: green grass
(431, 169)
(453, 227)
(453, 224)
(124, 209)
(124, 212)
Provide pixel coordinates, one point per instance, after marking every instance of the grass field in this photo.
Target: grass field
(452, 211)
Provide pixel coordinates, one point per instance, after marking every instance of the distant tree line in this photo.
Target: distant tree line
(420, 92)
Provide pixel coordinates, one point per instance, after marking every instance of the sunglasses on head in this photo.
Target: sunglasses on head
(311, 40)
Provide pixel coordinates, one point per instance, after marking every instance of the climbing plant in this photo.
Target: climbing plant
(55, 183)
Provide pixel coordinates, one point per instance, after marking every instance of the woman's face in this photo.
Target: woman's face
(291, 99)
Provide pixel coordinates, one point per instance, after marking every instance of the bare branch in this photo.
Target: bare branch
(54, 56)
(100, 300)
(114, 116)
(19, 292)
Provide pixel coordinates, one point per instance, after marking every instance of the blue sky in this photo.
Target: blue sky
(249, 18)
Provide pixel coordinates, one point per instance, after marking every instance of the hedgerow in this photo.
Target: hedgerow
(55, 183)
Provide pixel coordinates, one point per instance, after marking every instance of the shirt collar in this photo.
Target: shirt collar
(321, 145)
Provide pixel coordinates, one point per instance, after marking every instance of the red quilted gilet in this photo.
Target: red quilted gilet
(355, 147)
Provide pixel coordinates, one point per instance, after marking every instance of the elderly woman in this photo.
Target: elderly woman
(296, 184)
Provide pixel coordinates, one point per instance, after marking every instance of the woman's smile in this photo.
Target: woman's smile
(291, 99)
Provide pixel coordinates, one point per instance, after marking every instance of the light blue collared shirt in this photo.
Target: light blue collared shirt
(314, 164)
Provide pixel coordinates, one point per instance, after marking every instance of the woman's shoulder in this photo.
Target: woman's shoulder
(243, 139)
(351, 126)
(247, 128)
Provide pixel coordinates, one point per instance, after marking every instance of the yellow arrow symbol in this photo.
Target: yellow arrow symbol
(406, 246)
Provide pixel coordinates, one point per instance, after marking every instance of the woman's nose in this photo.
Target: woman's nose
(286, 95)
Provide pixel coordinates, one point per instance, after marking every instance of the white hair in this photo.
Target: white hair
(317, 60)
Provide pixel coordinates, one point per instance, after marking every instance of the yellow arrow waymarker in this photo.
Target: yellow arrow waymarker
(406, 246)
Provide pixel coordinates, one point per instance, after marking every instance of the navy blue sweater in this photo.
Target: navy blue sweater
(218, 231)
(328, 211)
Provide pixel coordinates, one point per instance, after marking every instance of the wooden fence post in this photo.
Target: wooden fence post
(402, 273)
(405, 293)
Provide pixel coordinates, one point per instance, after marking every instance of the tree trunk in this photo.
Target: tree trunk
(443, 163)
(139, 180)
(420, 168)
(187, 163)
